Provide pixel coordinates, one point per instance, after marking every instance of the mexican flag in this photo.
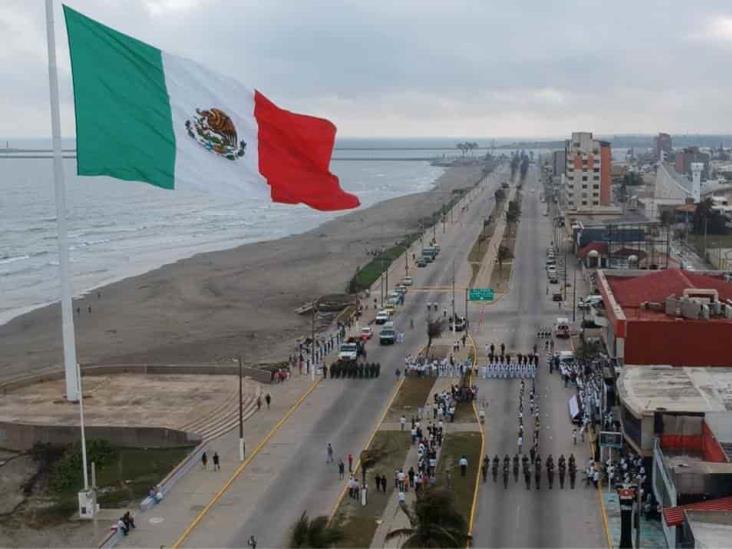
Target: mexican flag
(145, 115)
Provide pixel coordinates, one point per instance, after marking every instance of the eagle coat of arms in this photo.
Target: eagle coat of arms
(214, 130)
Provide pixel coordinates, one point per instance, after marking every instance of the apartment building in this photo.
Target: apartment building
(586, 181)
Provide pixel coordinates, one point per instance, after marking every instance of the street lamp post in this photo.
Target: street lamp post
(574, 292)
(453, 296)
(565, 271)
(241, 414)
(312, 340)
(466, 311)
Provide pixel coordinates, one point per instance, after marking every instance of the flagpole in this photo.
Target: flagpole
(67, 314)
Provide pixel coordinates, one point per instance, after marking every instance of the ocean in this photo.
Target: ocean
(119, 229)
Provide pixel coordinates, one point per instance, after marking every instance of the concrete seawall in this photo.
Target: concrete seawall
(22, 437)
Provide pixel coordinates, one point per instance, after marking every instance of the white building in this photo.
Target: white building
(586, 182)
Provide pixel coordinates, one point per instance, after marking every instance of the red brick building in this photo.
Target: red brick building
(674, 317)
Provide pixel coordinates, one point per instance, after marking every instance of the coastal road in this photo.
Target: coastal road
(290, 475)
(515, 517)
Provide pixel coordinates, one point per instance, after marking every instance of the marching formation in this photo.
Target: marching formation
(502, 365)
(446, 367)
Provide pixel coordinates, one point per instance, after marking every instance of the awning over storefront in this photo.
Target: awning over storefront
(674, 516)
(574, 408)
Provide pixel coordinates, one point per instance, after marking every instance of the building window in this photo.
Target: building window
(595, 186)
(584, 202)
(584, 186)
(596, 170)
(584, 178)
(595, 203)
(596, 177)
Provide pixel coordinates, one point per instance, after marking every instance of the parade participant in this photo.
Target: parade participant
(537, 472)
(550, 471)
(484, 467)
(494, 469)
(515, 467)
(527, 478)
(505, 472)
(562, 470)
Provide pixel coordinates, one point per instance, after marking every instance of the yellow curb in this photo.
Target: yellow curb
(603, 512)
(474, 504)
(187, 532)
(368, 443)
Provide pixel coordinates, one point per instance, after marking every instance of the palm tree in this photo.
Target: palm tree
(511, 219)
(314, 533)
(434, 522)
(503, 254)
(434, 330)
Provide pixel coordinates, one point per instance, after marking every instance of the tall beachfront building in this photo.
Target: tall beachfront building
(664, 147)
(586, 181)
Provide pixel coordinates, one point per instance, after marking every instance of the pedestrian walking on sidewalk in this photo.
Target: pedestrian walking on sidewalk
(216, 465)
(350, 462)
(268, 399)
(574, 435)
(252, 542)
(204, 460)
(259, 402)
(402, 422)
(329, 453)
(341, 469)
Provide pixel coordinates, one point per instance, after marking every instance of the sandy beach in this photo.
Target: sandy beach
(217, 305)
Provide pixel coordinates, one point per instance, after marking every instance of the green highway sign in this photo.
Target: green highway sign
(480, 294)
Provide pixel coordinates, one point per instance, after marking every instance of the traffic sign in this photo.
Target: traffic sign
(481, 294)
(611, 439)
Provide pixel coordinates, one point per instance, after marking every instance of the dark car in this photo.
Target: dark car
(460, 324)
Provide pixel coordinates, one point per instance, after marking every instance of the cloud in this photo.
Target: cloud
(419, 67)
(719, 29)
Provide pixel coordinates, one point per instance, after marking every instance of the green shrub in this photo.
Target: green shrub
(66, 474)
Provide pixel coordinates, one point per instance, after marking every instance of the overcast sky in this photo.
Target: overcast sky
(535, 68)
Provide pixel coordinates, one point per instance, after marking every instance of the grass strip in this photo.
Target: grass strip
(413, 394)
(359, 522)
(454, 446)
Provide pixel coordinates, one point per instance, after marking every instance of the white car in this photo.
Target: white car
(407, 281)
(382, 317)
(348, 351)
(590, 301)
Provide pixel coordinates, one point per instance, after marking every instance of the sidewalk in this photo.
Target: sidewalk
(651, 531)
(162, 524)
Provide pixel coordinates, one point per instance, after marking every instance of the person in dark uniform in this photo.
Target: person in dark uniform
(562, 470)
(550, 471)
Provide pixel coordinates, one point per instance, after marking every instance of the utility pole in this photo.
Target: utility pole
(565, 271)
(312, 341)
(574, 292)
(453, 296)
(241, 415)
(466, 311)
(638, 510)
(705, 237)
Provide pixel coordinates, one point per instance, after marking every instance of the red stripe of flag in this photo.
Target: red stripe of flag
(294, 158)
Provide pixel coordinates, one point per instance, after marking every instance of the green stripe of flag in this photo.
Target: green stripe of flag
(124, 125)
